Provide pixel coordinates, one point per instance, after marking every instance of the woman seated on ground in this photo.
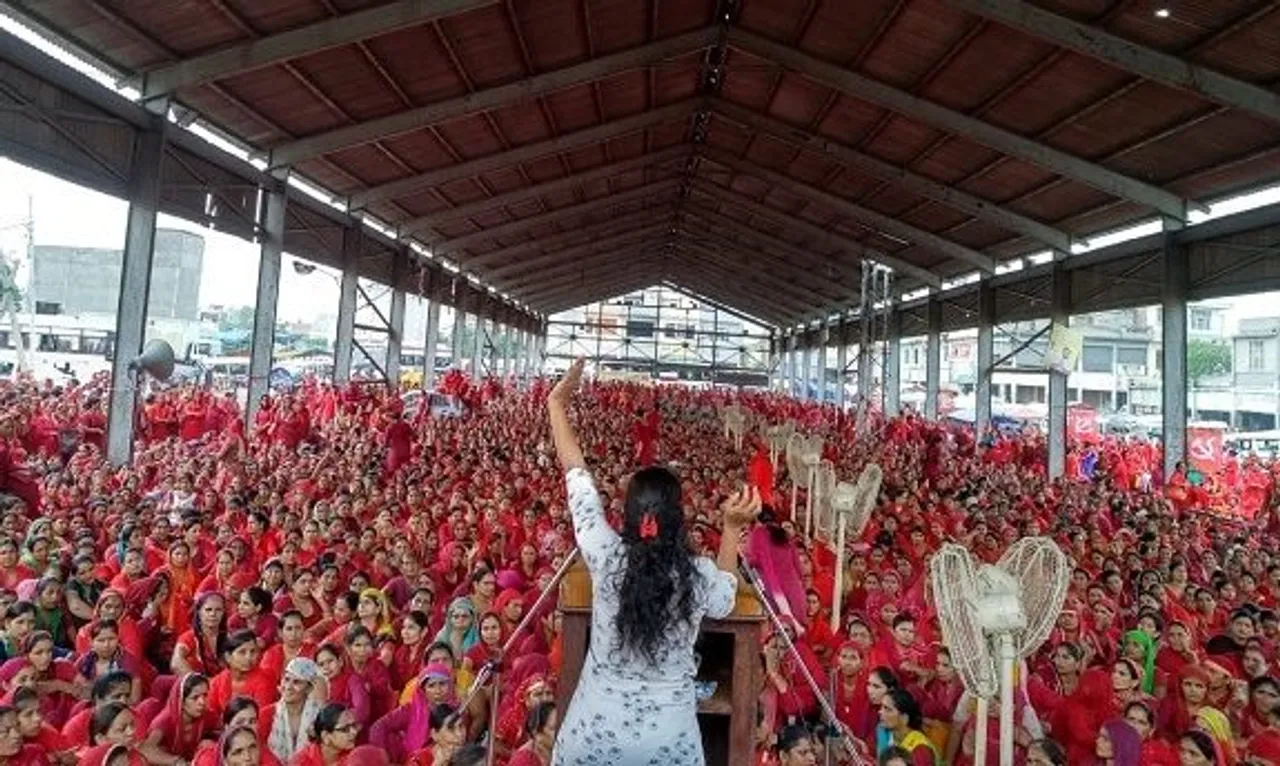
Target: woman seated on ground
(333, 736)
(178, 729)
(540, 726)
(448, 734)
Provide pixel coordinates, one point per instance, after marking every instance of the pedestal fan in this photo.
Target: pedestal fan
(811, 458)
(1004, 611)
(824, 518)
(853, 504)
(797, 472)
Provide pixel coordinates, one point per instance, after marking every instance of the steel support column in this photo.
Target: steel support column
(807, 391)
(135, 289)
(824, 337)
(429, 344)
(1173, 324)
(893, 365)
(261, 352)
(793, 368)
(842, 363)
(395, 323)
(933, 358)
(1059, 314)
(986, 357)
(344, 340)
(459, 330)
(477, 347)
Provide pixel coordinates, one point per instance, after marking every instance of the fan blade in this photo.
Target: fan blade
(1043, 573)
(952, 578)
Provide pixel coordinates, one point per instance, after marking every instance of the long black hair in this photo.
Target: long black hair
(656, 590)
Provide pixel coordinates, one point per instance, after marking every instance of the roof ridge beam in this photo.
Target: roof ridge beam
(599, 270)
(472, 168)
(937, 191)
(599, 286)
(1063, 163)
(747, 269)
(495, 232)
(811, 280)
(770, 316)
(332, 32)
(726, 271)
(857, 249)
(368, 131)
(718, 304)
(1129, 56)
(567, 239)
(535, 191)
(525, 279)
(586, 248)
(873, 218)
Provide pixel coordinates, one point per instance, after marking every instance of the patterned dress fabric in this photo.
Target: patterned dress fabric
(627, 711)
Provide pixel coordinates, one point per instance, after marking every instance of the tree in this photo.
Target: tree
(1205, 358)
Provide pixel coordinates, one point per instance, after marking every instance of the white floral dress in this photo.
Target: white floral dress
(625, 710)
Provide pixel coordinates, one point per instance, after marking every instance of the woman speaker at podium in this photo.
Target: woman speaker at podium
(634, 704)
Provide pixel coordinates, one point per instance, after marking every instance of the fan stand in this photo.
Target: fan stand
(835, 730)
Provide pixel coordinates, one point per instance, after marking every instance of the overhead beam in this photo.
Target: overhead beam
(1129, 56)
(601, 292)
(1008, 142)
(572, 254)
(410, 120)
(815, 283)
(472, 168)
(719, 305)
(568, 283)
(727, 300)
(804, 258)
(609, 259)
(739, 267)
(569, 238)
(295, 43)
(950, 196)
(526, 281)
(872, 218)
(496, 232)
(538, 191)
(784, 220)
(762, 300)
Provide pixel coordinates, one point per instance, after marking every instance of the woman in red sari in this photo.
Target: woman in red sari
(850, 685)
(530, 692)
(106, 655)
(176, 614)
(540, 728)
(404, 658)
(242, 677)
(197, 649)
(177, 730)
(56, 680)
(1076, 722)
(1155, 751)
(1183, 701)
(333, 736)
(346, 688)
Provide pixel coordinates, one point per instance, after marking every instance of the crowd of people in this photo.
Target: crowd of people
(323, 587)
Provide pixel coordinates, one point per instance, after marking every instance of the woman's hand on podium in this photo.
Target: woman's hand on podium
(740, 510)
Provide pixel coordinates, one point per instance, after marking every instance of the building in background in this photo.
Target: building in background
(73, 296)
(661, 333)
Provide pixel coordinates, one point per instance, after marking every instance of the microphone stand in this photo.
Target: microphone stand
(835, 730)
(492, 668)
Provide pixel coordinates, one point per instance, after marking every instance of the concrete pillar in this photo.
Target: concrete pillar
(459, 329)
(264, 307)
(1059, 314)
(842, 363)
(478, 360)
(933, 358)
(1173, 331)
(892, 385)
(806, 375)
(135, 289)
(344, 340)
(986, 356)
(429, 344)
(797, 374)
(395, 332)
(824, 339)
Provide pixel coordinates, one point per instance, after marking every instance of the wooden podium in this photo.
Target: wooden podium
(730, 652)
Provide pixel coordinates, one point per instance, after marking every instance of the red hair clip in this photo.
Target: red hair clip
(648, 527)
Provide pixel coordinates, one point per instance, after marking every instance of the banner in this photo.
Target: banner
(1205, 448)
(1065, 346)
(1082, 424)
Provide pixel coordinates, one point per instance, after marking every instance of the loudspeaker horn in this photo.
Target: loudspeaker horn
(156, 360)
